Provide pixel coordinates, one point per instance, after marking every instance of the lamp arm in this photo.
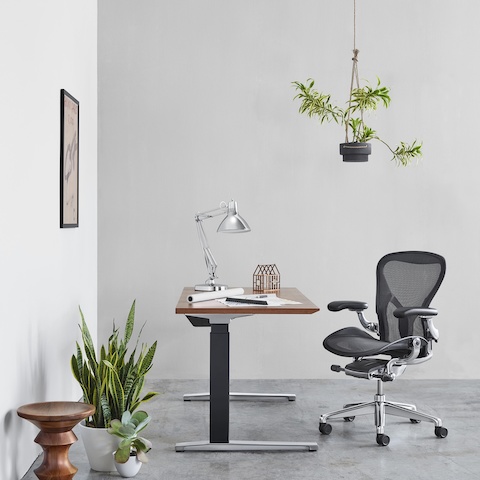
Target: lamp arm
(199, 217)
(209, 258)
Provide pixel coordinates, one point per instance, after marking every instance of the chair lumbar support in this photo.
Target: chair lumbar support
(406, 334)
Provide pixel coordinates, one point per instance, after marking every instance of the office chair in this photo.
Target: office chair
(406, 284)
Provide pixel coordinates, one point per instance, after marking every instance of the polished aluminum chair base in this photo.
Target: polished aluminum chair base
(380, 408)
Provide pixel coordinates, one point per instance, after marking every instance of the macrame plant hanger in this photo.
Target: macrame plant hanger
(355, 151)
(354, 83)
(360, 101)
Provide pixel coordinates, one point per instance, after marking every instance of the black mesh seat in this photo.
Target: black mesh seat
(353, 342)
(404, 334)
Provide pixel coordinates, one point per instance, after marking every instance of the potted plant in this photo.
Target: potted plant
(132, 449)
(362, 99)
(111, 381)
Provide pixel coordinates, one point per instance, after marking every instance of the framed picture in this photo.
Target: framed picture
(69, 131)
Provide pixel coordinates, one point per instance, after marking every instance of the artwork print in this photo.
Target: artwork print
(69, 143)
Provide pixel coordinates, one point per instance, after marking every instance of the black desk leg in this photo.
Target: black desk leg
(219, 404)
(219, 383)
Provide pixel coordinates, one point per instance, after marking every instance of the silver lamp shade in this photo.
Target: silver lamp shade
(233, 222)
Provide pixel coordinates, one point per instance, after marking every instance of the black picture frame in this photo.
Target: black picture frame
(69, 159)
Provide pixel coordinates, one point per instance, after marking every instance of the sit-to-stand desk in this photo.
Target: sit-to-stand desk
(217, 316)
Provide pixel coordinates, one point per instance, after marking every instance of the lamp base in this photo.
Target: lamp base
(204, 287)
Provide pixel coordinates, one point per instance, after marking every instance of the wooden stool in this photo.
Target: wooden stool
(55, 421)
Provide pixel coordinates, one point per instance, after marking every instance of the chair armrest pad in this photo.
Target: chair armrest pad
(417, 311)
(343, 304)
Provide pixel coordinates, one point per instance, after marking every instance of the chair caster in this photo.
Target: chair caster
(325, 428)
(382, 439)
(348, 419)
(441, 432)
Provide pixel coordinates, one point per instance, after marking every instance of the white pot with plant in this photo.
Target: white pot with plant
(132, 449)
(113, 382)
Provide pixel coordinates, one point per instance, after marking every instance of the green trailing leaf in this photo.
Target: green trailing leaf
(367, 98)
(316, 104)
(110, 383)
(405, 153)
(367, 134)
(363, 99)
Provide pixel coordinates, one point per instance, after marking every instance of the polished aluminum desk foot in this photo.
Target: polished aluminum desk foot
(240, 396)
(244, 446)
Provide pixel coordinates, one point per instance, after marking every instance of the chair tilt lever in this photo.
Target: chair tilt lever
(337, 368)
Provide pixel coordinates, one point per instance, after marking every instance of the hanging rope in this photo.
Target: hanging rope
(354, 71)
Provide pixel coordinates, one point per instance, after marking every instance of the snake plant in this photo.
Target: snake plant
(112, 381)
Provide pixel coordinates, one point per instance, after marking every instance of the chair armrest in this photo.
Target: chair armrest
(415, 311)
(343, 304)
(426, 314)
(354, 306)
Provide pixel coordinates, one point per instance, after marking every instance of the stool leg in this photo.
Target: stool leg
(56, 464)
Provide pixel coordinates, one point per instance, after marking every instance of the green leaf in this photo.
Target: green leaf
(368, 98)
(404, 153)
(122, 454)
(130, 323)
(316, 104)
(142, 424)
(147, 360)
(143, 444)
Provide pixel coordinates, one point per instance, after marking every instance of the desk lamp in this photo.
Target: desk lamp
(232, 223)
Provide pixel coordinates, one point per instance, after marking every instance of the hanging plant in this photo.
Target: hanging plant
(361, 100)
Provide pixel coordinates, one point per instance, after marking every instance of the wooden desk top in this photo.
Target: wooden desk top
(217, 308)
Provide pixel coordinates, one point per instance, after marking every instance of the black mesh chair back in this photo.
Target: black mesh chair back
(405, 279)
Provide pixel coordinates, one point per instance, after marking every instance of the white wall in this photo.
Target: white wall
(195, 107)
(45, 272)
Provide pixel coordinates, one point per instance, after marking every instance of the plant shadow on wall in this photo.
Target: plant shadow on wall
(361, 100)
(112, 382)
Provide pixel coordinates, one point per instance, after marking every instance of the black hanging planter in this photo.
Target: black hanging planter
(355, 151)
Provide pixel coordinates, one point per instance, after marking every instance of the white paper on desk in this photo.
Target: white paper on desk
(271, 299)
(201, 297)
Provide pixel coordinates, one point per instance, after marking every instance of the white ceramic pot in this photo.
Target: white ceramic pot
(130, 468)
(99, 445)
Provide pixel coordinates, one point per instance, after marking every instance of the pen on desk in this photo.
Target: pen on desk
(249, 301)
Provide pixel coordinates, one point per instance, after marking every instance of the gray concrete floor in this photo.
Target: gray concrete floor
(349, 452)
